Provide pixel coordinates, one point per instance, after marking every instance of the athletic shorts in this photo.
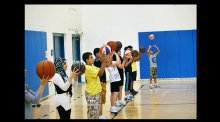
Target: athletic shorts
(134, 75)
(153, 72)
(115, 86)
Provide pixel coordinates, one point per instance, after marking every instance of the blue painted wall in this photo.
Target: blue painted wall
(177, 58)
(35, 47)
(186, 53)
(195, 52)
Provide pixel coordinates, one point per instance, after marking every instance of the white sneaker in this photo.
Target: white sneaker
(127, 98)
(131, 96)
(117, 103)
(122, 102)
(156, 86)
(102, 117)
(113, 109)
(151, 86)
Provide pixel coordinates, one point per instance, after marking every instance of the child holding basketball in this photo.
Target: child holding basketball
(63, 87)
(134, 72)
(120, 68)
(153, 66)
(115, 80)
(98, 63)
(128, 76)
(93, 86)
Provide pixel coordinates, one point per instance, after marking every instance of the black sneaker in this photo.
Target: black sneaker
(135, 92)
(132, 92)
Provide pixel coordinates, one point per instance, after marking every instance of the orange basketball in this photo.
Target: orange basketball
(113, 45)
(45, 68)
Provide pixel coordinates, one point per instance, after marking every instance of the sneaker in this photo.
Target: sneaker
(131, 96)
(151, 86)
(127, 98)
(121, 102)
(113, 110)
(156, 86)
(102, 117)
(133, 92)
(117, 103)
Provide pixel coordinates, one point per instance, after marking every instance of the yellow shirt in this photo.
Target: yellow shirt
(134, 67)
(93, 85)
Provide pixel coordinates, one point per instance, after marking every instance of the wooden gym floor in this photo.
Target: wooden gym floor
(176, 99)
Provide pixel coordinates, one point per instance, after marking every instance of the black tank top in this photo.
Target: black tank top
(60, 91)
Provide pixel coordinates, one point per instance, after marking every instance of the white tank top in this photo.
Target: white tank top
(114, 74)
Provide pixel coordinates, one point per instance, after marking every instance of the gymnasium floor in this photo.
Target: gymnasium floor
(176, 99)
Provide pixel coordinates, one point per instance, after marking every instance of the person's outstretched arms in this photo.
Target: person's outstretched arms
(148, 50)
(158, 51)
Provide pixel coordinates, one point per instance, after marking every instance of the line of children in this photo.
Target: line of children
(95, 76)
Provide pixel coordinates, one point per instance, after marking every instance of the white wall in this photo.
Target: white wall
(54, 19)
(101, 23)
